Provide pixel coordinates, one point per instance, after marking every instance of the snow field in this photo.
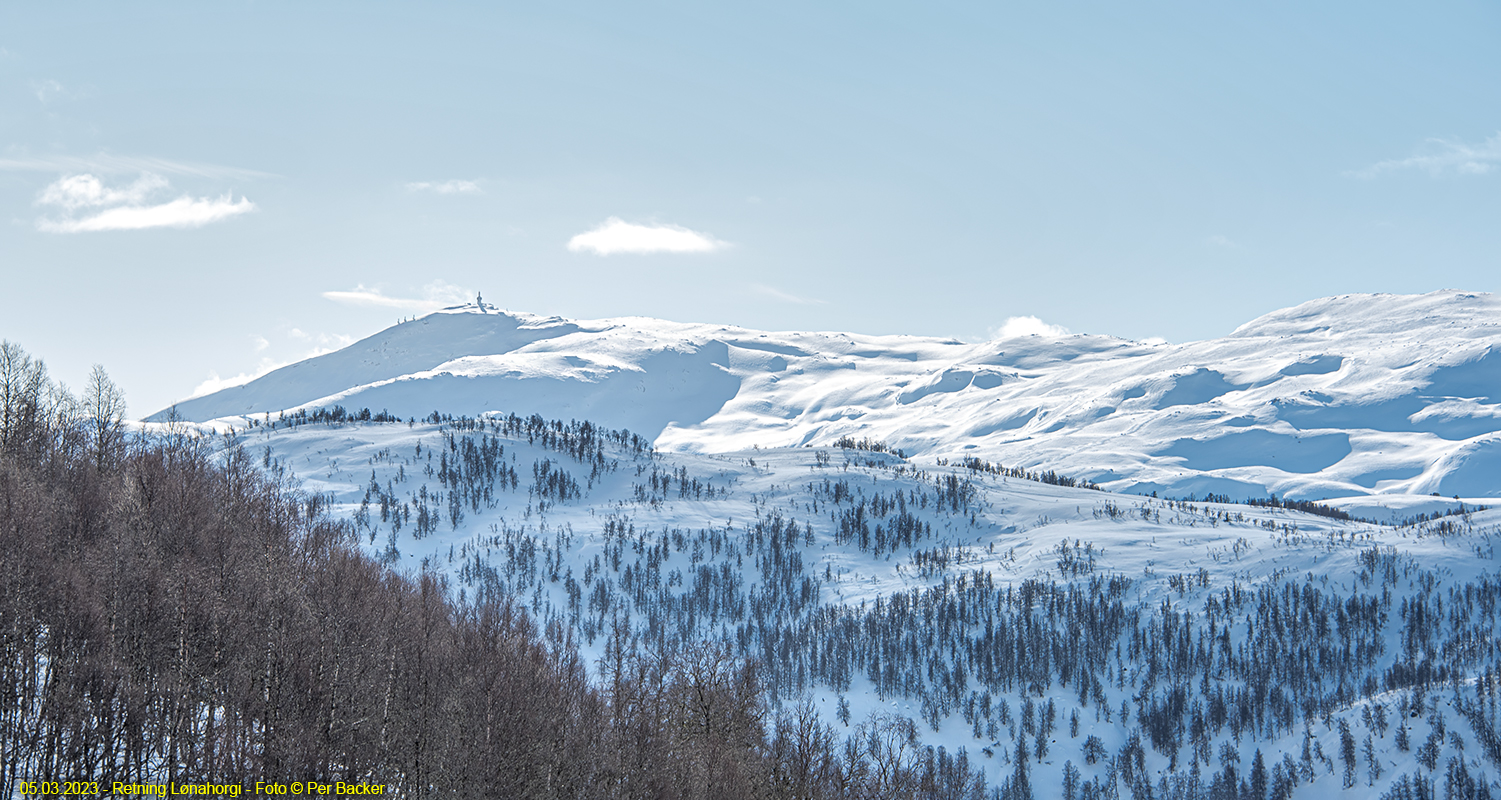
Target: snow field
(725, 554)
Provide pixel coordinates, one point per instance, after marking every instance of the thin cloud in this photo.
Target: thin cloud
(786, 297)
(184, 212)
(1220, 241)
(446, 187)
(1014, 327)
(360, 296)
(436, 295)
(46, 90)
(126, 209)
(1444, 156)
(615, 236)
(112, 164)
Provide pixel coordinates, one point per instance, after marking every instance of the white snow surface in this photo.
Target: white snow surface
(1176, 555)
(1347, 396)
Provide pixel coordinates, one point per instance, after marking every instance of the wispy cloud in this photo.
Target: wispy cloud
(107, 164)
(126, 209)
(1442, 156)
(785, 297)
(1014, 327)
(360, 296)
(46, 90)
(615, 236)
(1219, 240)
(435, 295)
(446, 187)
(184, 212)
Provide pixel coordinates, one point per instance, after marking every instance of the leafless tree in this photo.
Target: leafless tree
(103, 411)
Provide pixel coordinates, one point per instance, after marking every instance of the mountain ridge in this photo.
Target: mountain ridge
(1339, 396)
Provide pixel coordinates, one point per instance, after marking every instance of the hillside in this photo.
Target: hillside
(1120, 640)
(1017, 556)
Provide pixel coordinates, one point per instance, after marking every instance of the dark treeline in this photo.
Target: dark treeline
(584, 441)
(1305, 506)
(173, 612)
(1444, 526)
(1273, 501)
(974, 464)
(867, 444)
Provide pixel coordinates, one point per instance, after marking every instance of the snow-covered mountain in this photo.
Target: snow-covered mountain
(1339, 397)
(1113, 644)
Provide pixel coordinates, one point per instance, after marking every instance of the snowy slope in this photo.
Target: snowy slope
(1345, 396)
(761, 548)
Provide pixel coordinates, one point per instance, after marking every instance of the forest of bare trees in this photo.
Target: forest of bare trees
(171, 612)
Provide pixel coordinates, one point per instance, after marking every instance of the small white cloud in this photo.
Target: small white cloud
(786, 297)
(126, 210)
(446, 187)
(261, 343)
(615, 236)
(1028, 326)
(214, 383)
(1443, 156)
(86, 191)
(435, 295)
(1221, 241)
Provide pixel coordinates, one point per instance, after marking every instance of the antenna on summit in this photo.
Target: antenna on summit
(479, 300)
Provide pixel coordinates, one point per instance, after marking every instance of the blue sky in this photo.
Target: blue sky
(202, 191)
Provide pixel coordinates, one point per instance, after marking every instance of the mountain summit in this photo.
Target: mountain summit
(1348, 395)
